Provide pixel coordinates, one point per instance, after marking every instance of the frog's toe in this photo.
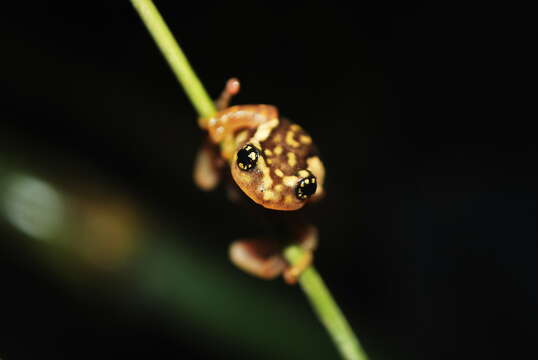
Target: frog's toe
(292, 273)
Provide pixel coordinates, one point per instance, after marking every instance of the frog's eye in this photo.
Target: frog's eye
(306, 187)
(247, 157)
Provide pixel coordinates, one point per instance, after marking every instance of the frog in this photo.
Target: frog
(274, 163)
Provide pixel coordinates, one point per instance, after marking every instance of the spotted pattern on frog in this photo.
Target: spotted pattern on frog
(285, 153)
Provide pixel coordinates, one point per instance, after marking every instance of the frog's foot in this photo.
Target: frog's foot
(259, 257)
(307, 238)
(207, 167)
(232, 88)
(292, 273)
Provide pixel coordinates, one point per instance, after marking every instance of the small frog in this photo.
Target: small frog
(275, 164)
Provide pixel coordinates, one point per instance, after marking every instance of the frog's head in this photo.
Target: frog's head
(277, 167)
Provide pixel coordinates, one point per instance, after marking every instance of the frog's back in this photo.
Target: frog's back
(287, 149)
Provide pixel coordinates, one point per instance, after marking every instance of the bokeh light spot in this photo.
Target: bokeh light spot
(33, 207)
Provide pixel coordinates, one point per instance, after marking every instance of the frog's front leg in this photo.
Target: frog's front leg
(208, 167)
(208, 163)
(263, 257)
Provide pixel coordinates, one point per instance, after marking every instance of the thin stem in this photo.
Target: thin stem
(311, 282)
(175, 57)
(326, 308)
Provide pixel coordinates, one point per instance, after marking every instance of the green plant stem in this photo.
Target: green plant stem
(175, 57)
(326, 308)
(311, 282)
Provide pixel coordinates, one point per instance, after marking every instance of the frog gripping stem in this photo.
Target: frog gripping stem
(318, 294)
(231, 89)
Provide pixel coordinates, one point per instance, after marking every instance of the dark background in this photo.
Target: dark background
(429, 230)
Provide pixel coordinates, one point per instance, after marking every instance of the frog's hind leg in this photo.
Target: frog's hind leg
(207, 167)
(263, 257)
(259, 257)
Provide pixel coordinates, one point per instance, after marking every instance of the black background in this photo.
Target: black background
(429, 230)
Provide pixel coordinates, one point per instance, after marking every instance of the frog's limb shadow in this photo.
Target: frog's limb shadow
(262, 257)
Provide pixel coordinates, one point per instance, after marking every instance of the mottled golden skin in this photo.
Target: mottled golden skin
(286, 160)
(287, 154)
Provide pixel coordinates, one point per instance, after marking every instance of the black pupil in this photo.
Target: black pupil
(247, 157)
(306, 187)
